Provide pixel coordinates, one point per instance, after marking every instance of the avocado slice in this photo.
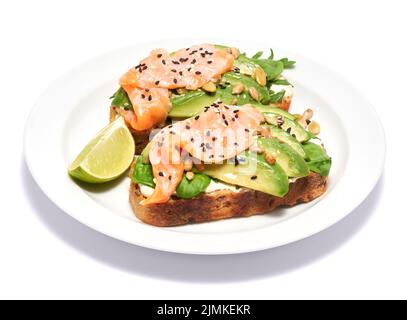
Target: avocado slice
(285, 137)
(253, 172)
(290, 126)
(237, 78)
(289, 160)
(193, 102)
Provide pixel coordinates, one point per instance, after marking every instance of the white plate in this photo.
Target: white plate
(75, 107)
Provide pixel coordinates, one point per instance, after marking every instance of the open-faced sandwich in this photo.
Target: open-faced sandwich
(214, 137)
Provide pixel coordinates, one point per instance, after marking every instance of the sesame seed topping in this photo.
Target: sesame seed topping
(254, 178)
(209, 61)
(157, 82)
(226, 122)
(150, 98)
(159, 55)
(143, 96)
(214, 138)
(198, 72)
(247, 130)
(187, 127)
(175, 80)
(161, 174)
(173, 70)
(163, 62)
(193, 61)
(197, 117)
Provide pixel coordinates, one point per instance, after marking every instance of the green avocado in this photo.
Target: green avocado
(290, 126)
(193, 102)
(289, 160)
(285, 137)
(253, 172)
(232, 79)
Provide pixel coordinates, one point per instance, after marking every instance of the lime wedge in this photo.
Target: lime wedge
(107, 156)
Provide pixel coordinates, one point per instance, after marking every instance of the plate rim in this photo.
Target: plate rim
(362, 197)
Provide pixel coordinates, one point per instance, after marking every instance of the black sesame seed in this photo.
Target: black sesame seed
(172, 132)
(247, 130)
(147, 90)
(197, 117)
(143, 96)
(236, 144)
(157, 82)
(236, 111)
(223, 117)
(198, 72)
(192, 139)
(150, 98)
(193, 61)
(161, 174)
(175, 62)
(214, 139)
(189, 69)
(254, 178)
(203, 55)
(308, 122)
(226, 122)
(289, 130)
(233, 119)
(173, 70)
(164, 62)
(200, 49)
(159, 55)
(202, 144)
(294, 136)
(187, 49)
(210, 61)
(175, 80)
(187, 127)
(145, 68)
(180, 73)
(169, 178)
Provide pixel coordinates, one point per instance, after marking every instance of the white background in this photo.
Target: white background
(46, 254)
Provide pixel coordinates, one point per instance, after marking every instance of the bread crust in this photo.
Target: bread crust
(224, 204)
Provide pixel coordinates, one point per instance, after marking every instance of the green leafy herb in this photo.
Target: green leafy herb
(121, 100)
(281, 82)
(288, 64)
(317, 159)
(277, 97)
(258, 55)
(271, 56)
(188, 189)
(143, 173)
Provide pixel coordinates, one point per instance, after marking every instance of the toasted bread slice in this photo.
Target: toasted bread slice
(224, 204)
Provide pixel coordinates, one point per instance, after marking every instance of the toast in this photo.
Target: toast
(224, 204)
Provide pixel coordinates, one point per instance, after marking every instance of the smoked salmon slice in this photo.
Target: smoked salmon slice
(219, 133)
(189, 68)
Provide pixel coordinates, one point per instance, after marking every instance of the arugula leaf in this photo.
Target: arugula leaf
(317, 159)
(272, 68)
(282, 82)
(121, 100)
(277, 97)
(258, 55)
(271, 56)
(288, 64)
